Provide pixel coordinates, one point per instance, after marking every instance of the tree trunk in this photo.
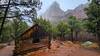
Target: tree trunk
(98, 31)
(98, 40)
(76, 36)
(62, 36)
(49, 42)
(72, 33)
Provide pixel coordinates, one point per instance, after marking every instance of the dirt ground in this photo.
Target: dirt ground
(57, 49)
(65, 49)
(7, 51)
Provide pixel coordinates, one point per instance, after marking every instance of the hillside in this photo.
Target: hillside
(55, 14)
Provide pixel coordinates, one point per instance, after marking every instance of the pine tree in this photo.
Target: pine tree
(23, 7)
(93, 12)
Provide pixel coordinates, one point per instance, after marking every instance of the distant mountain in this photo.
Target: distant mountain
(54, 13)
(78, 12)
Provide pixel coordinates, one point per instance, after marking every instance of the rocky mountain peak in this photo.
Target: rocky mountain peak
(55, 14)
(54, 10)
(55, 5)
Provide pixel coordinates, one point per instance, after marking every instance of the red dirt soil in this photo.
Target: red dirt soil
(57, 49)
(64, 49)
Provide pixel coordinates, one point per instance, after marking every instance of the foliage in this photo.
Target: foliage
(23, 7)
(63, 29)
(48, 27)
(55, 31)
(93, 12)
(18, 27)
(74, 23)
(12, 29)
(17, 12)
(75, 26)
(45, 24)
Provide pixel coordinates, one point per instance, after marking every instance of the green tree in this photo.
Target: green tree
(10, 7)
(93, 13)
(45, 24)
(18, 27)
(75, 26)
(55, 32)
(5, 37)
(12, 29)
(63, 29)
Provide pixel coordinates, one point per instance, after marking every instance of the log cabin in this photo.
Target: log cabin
(32, 39)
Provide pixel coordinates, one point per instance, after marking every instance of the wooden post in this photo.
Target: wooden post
(49, 42)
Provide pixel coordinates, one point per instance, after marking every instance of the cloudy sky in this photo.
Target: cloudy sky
(64, 4)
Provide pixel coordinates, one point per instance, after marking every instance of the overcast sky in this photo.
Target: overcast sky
(64, 4)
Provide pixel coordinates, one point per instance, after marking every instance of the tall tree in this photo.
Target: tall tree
(3, 21)
(75, 26)
(25, 9)
(18, 27)
(63, 29)
(93, 12)
(46, 25)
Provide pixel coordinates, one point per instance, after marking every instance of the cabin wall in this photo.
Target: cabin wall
(28, 34)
